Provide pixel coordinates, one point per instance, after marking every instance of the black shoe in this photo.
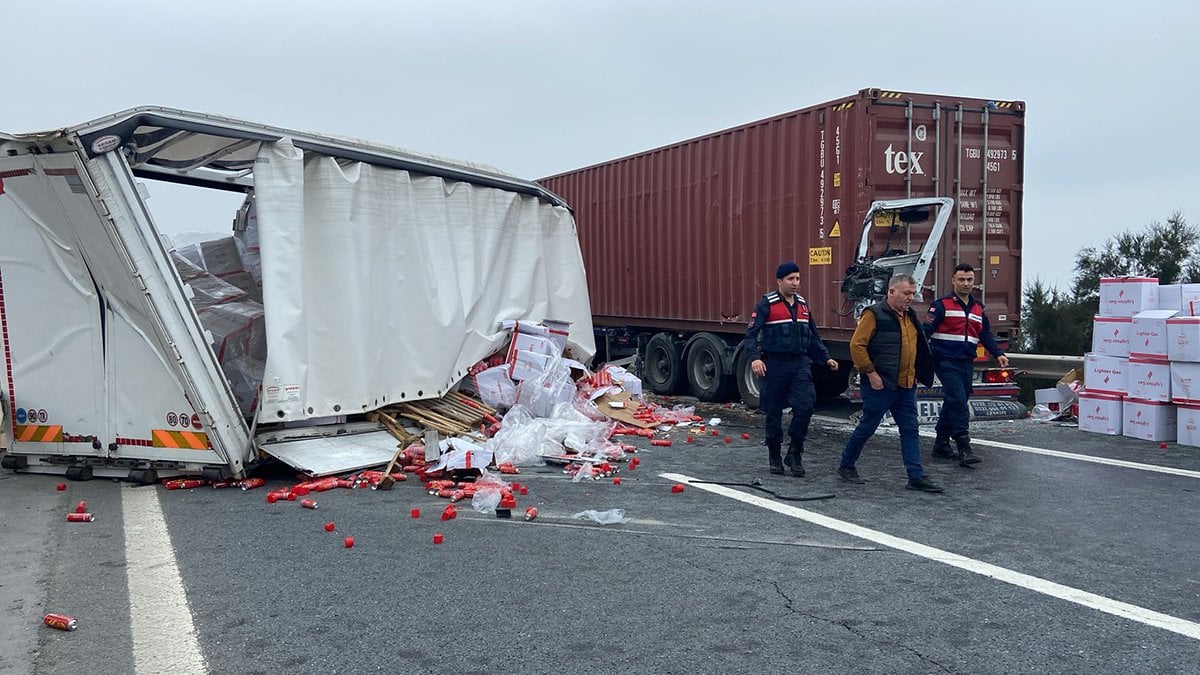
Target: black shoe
(850, 476)
(941, 448)
(966, 454)
(794, 459)
(774, 458)
(924, 485)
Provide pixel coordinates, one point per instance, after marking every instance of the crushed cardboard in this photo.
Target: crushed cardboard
(624, 415)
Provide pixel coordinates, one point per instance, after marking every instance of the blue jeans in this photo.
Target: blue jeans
(955, 375)
(903, 405)
(788, 381)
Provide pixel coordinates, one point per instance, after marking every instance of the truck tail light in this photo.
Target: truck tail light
(999, 375)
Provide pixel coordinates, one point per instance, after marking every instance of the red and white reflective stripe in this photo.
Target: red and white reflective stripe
(956, 338)
(955, 312)
(12, 397)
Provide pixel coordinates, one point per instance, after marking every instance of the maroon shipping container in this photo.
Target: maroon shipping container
(682, 240)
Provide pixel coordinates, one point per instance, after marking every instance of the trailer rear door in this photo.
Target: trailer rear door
(89, 359)
(50, 321)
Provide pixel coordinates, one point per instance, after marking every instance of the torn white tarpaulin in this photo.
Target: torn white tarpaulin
(382, 285)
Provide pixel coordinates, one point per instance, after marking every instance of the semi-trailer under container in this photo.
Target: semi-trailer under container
(680, 241)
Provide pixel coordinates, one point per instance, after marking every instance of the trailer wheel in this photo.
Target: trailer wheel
(748, 384)
(706, 369)
(661, 368)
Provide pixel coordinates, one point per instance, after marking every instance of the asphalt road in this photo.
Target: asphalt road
(1032, 562)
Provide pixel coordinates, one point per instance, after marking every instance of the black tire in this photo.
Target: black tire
(706, 374)
(749, 385)
(831, 383)
(662, 369)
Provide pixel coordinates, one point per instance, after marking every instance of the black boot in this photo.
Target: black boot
(774, 457)
(795, 458)
(941, 446)
(966, 456)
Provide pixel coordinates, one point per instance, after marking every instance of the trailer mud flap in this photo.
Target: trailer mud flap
(328, 455)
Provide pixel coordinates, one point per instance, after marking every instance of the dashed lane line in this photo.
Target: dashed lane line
(1074, 595)
(164, 637)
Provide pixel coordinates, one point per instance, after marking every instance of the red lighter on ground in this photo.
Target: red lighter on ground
(60, 621)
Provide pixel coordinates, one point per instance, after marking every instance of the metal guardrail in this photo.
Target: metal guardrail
(1050, 366)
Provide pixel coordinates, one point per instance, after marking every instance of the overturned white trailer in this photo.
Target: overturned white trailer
(384, 276)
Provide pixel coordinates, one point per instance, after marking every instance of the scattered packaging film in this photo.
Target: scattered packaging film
(1149, 420)
(1149, 378)
(1110, 335)
(1187, 425)
(1100, 413)
(1148, 333)
(1183, 338)
(1126, 296)
(1105, 374)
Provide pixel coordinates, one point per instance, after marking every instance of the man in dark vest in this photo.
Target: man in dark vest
(956, 326)
(890, 350)
(781, 343)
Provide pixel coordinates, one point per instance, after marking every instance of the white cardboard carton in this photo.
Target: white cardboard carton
(1187, 425)
(1178, 296)
(1100, 413)
(1170, 296)
(1105, 374)
(495, 387)
(1149, 420)
(1110, 335)
(1149, 378)
(559, 332)
(1051, 398)
(527, 365)
(1183, 338)
(1148, 333)
(1126, 296)
(1185, 382)
(531, 343)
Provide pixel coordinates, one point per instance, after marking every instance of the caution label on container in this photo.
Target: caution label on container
(188, 440)
(822, 255)
(35, 433)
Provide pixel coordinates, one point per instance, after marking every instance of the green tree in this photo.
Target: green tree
(1170, 252)
(1058, 322)
(1054, 322)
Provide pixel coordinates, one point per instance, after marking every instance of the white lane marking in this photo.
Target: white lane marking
(1036, 584)
(1084, 458)
(164, 637)
(1057, 453)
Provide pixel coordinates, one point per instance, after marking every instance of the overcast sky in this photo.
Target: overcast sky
(536, 88)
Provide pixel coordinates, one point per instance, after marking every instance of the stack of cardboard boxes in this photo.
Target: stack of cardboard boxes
(1142, 377)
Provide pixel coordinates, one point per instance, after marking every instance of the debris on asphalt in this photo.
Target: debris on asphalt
(610, 517)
